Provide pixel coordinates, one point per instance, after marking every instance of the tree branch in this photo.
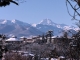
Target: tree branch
(73, 8)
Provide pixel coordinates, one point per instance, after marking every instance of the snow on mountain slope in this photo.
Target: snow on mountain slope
(34, 25)
(17, 28)
(48, 24)
(11, 22)
(20, 28)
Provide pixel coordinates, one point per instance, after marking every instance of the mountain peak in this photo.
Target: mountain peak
(46, 22)
(3, 22)
(13, 21)
(16, 21)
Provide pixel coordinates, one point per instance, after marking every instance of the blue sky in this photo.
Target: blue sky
(33, 11)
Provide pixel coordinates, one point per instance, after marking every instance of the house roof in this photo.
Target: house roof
(13, 39)
(23, 37)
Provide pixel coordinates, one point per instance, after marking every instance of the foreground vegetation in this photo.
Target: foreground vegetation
(68, 47)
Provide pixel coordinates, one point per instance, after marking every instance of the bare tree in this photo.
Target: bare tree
(75, 5)
(7, 2)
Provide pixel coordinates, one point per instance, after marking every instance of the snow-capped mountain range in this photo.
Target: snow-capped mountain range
(19, 28)
(49, 22)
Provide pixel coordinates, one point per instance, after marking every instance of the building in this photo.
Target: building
(13, 40)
